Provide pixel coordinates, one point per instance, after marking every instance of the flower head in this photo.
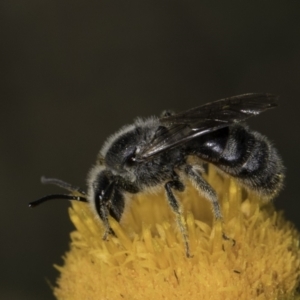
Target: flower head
(146, 259)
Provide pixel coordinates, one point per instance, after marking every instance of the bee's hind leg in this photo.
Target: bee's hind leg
(173, 202)
(208, 192)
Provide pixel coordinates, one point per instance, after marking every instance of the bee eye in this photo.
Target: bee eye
(131, 159)
(130, 156)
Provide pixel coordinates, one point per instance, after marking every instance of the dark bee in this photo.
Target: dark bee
(154, 152)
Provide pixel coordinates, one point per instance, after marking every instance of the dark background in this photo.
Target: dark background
(73, 72)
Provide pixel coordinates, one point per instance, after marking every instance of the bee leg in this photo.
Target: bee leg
(116, 208)
(112, 202)
(104, 217)
(109, 199)
(177, 185)
(204, 189)
(102, 202)
(208, 192)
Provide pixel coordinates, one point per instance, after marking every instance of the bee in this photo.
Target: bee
(153, 153)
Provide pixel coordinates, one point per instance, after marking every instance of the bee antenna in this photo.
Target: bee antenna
(56, 196)
(62, 184)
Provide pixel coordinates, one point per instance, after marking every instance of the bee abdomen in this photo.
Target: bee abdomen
(259, 168)
(246, 155)
(263, 170)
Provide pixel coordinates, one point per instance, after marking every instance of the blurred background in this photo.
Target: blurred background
(73, 72)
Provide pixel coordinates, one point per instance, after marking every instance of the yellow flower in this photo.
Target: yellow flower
(146, 259)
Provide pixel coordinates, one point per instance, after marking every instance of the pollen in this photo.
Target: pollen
(253, 254)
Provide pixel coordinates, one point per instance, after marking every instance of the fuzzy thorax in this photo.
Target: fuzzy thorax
(146, 259)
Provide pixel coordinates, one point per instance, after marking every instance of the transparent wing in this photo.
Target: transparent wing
(182, 127)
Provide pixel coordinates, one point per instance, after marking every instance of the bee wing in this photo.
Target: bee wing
(182, 127)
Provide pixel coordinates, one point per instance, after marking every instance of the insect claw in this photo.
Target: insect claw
(107, 232)
(225, 237)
